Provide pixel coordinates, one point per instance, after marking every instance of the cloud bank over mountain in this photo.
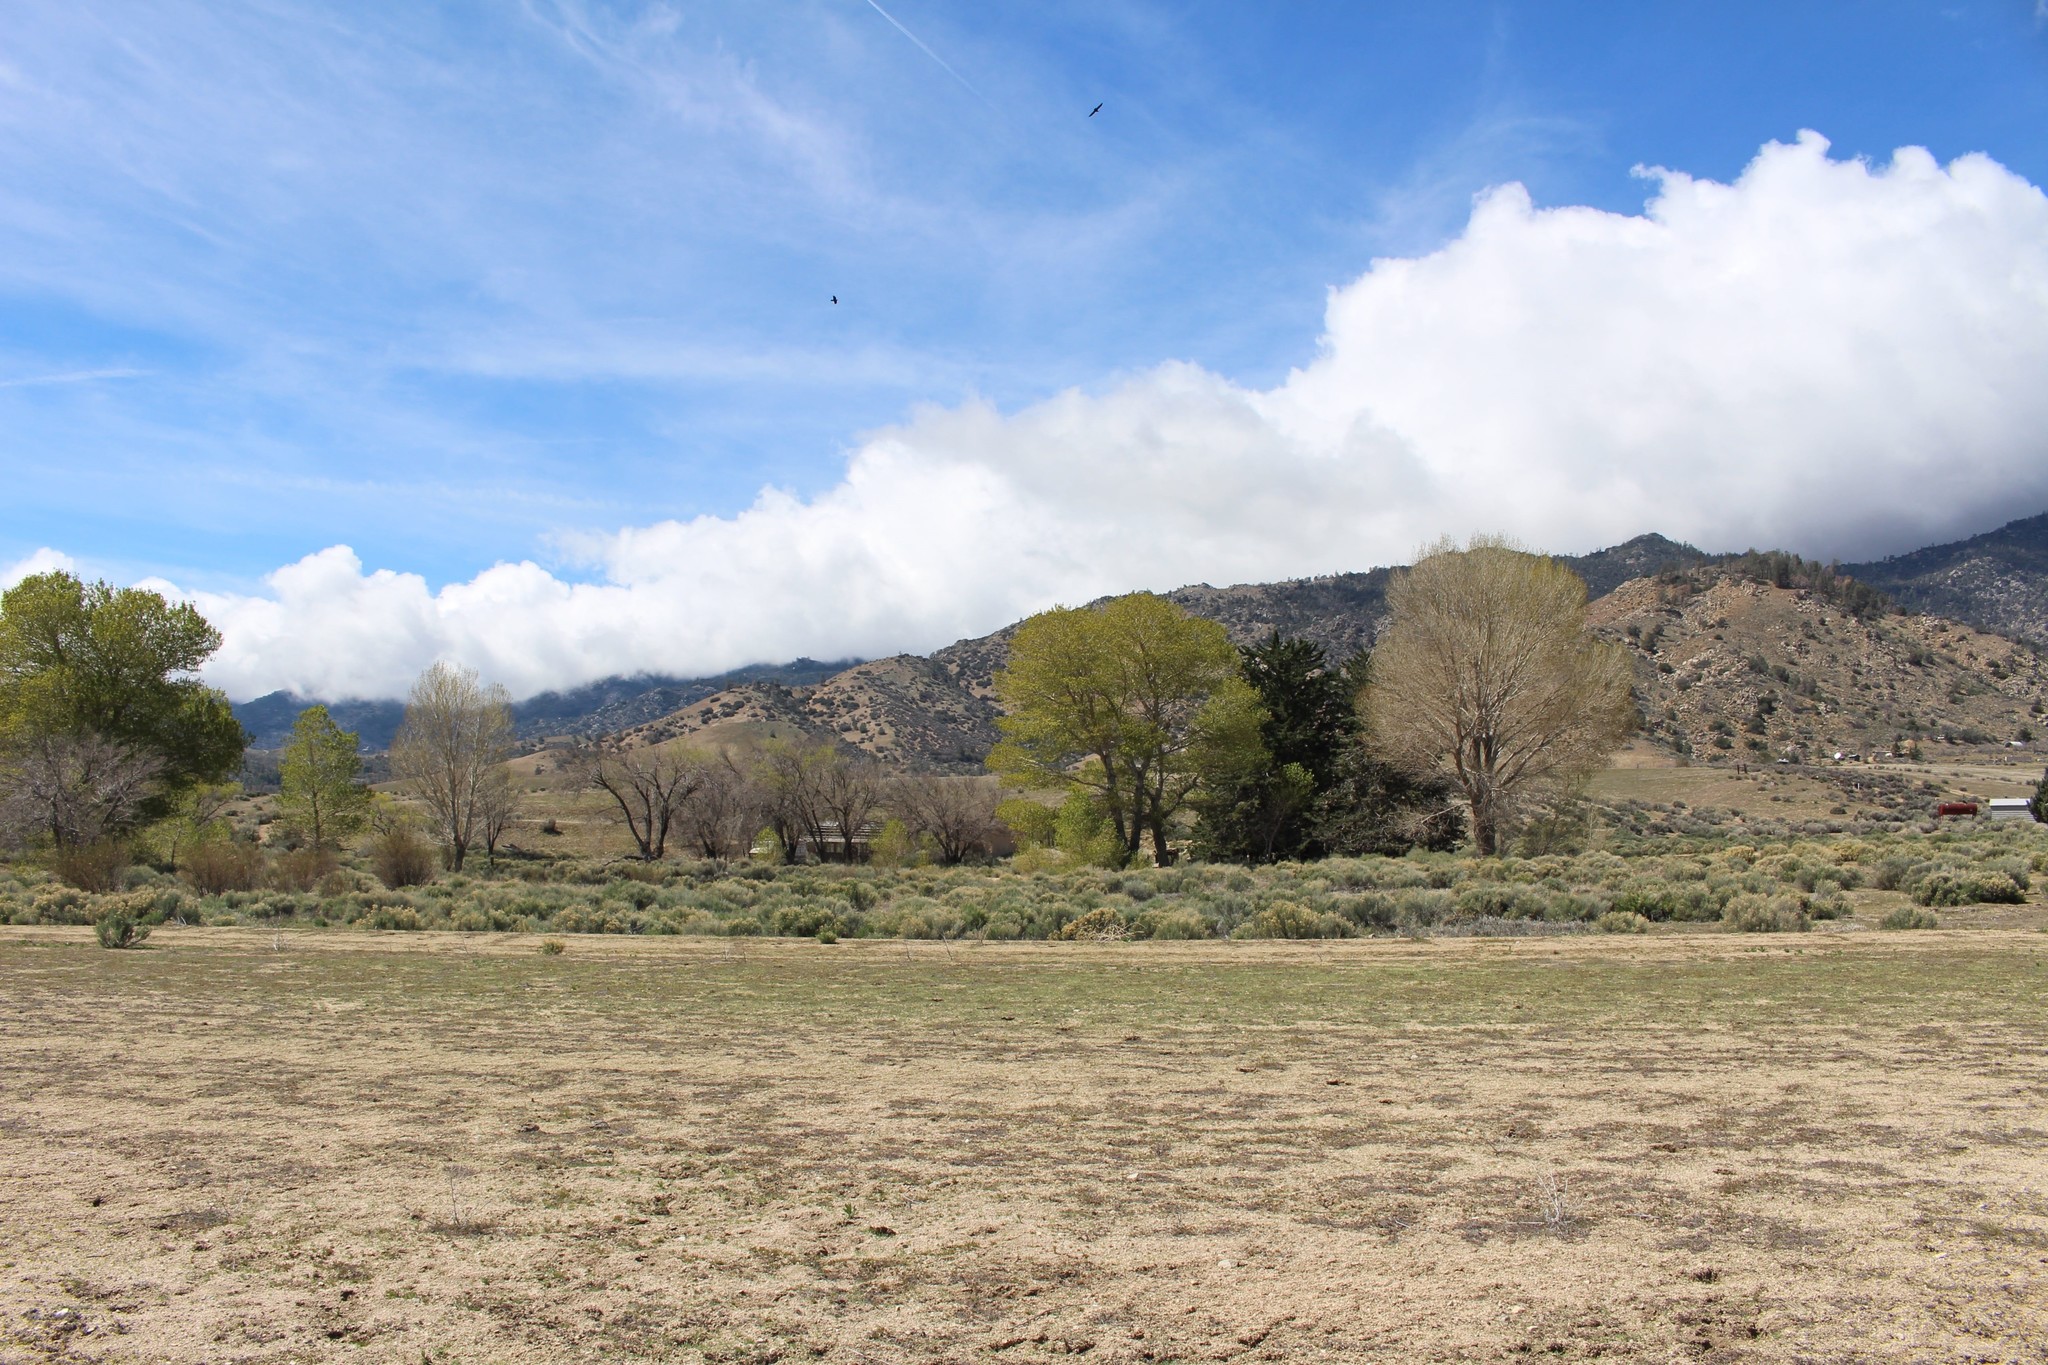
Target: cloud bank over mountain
(1830, 356)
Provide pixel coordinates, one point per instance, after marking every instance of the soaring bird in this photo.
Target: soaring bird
(835, 298)
(1096, 110)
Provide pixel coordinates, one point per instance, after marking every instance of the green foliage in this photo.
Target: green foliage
(2039, 804)
(119, 929)
(1372, 807)
(1758, 914)
(1029, 822)
(1621, 922)
(1906, 917)
(319, 768)
(1957, 887)
(1082, 832)
(79, 658)
(1112, 700)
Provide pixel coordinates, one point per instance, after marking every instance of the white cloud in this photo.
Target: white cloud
(44, 560)
(1826, 355)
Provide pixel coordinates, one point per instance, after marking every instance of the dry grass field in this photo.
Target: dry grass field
(242, 1145)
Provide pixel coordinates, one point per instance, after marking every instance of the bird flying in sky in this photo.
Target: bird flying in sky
(835, 298)
(1096, 110)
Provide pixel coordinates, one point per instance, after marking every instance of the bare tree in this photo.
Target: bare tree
(787, 775)
(652, 788)
(497, 807)
(1487, 674)
(455, 733)
(959, 813)
(849, 792)
(726, 813)
(73, 788)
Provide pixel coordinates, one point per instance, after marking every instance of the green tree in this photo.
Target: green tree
(1256, 799)
(1112, 700)
(81, 659)
(319, 769)
(1486, 674)
(2039, 804)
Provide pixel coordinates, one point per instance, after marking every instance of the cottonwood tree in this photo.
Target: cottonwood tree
(455, 733)
(958, 814)
(1111, 700)
(83, 660)
(1487, 674)
(319, 791)
(652, 787)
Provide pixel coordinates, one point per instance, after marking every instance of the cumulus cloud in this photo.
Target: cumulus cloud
(1827, 355)
(44, 560)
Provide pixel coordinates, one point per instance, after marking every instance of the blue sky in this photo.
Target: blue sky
(460, 284)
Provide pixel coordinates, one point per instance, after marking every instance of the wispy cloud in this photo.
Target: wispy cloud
(69, 377)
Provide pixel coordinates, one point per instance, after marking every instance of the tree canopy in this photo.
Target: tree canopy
(318, 769)
(102, 719)
(1114, 700)
(1487, 674)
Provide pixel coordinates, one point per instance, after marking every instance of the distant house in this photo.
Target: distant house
(2011, 808)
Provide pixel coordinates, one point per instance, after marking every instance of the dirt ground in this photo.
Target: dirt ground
(236, 1145)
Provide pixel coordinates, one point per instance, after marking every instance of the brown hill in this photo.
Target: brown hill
(1732, 668)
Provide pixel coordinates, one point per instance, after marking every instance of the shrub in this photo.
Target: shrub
(1754, 914)
(1906, 917)
(1621, 922)
(401, 859)
(828, 935)
(119, 929)
(218, 866)
(97, 867)
(805, 919)
(552, 947)
(1103, 922)
(1951, 887)
(395, 917)
(302, 869)
(1287, 919)
(1832, 906)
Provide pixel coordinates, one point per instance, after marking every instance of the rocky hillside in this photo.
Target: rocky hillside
(1997, 581)
(1736, 669)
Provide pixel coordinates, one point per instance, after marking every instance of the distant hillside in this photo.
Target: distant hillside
(940, 713)
(1997, 581)
(1733, 668)
(603, 707)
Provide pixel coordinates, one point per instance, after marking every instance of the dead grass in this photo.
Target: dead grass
(440, 1147)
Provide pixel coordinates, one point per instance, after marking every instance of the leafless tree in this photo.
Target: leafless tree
(721, 821)
(959, 813)
(497, 807)
(455, 734)
(652, 787)
(788, 776)
(73, 789)
(849, 792)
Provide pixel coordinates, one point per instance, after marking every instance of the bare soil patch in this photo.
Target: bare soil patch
(241, 1145)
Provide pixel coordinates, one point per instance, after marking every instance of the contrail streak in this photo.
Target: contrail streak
(941, 60)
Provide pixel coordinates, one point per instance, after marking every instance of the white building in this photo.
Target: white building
(2011, 808)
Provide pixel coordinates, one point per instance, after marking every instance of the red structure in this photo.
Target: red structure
(1956, 808)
